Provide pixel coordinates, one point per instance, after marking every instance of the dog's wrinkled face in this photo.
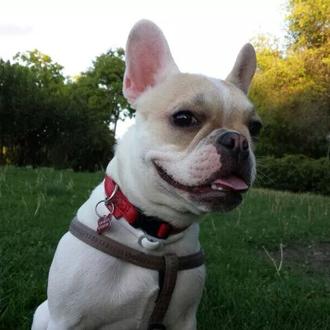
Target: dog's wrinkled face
(196, 133)
(202, 144)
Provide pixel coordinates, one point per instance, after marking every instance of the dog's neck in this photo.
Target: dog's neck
(121, 207)
(133, 187)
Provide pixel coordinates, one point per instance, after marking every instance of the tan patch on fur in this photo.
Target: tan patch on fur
(217, 104)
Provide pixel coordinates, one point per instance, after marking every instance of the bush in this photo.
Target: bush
(296, 173)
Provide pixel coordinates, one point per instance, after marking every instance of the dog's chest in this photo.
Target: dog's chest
(138, 291)
(111, 293)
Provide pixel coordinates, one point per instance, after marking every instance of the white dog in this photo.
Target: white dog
(190, 152)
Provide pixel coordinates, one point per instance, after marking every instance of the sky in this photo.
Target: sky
(204, 35)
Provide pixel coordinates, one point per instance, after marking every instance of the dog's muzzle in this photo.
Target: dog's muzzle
(234, 151)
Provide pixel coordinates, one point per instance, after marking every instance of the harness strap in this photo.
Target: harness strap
(167, 266)
(126, 253)
(166, 289)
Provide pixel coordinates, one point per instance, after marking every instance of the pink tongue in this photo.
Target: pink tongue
(232, 183)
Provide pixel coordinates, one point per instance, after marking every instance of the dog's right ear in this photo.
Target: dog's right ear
(148, 60)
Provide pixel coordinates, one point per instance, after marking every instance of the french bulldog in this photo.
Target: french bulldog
(189, 152)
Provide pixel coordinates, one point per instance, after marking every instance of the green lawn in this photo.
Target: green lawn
(248, 287)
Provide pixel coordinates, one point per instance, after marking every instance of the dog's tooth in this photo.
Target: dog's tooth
(216, 187)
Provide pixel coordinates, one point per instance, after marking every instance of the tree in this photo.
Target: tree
(101, 88)
(19, 113)
(48, 120)
(292, 87)
(41, 125)
(47, 72)
(31, 115)
(308, 23)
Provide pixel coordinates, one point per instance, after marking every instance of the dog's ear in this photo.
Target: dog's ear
(148, 59)
(244, 68)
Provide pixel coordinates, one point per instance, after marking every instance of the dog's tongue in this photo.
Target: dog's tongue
(230, 183)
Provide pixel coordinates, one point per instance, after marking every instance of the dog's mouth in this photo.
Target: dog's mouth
(218, 194)
(230, 184)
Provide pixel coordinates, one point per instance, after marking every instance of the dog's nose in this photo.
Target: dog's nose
(235, 143)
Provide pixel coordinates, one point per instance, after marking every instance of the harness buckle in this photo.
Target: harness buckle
(149, 243)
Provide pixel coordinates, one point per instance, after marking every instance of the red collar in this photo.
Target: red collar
(121, 207)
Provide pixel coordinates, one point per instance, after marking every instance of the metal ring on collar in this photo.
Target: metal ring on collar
(107, 203)
(109, 198)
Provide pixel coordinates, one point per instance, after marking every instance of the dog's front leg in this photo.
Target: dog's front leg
(187, 321)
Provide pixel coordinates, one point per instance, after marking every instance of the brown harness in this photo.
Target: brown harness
(167, 266)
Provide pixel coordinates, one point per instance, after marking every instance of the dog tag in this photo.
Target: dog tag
(104, 224)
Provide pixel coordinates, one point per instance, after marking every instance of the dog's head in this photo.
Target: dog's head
(191, 149)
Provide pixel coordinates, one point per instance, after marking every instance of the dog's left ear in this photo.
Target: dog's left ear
(244, 68)
(148, 59)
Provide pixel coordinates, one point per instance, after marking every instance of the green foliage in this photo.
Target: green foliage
(46, 72)
(308, 23)
(291, 89)
(48, 120)
(100, 89)
(243, 288)
(21, 113)
(296, 173)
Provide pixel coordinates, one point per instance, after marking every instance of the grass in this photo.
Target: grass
(268, 261)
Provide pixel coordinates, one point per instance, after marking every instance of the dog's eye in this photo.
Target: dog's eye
(254, 127)
(184, 118)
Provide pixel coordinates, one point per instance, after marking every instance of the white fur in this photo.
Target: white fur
(88, 289)
(190, 169)
(141, 183)
(91, 290)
